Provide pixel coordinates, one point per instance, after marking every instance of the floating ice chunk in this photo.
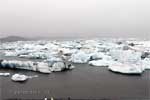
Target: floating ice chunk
(28, 65)
(80, 57)
(17, 64)
(19, 77)
(126, 68)
(4, 74)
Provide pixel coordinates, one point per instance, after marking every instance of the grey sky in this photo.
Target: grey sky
(75, 18)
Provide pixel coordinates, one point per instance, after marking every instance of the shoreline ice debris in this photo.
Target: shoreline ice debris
(42, 67)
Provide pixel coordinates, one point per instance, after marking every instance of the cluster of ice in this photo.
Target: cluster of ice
(119, 55)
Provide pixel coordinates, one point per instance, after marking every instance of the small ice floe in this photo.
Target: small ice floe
(19, 77)
(4, 74)
(126, 68)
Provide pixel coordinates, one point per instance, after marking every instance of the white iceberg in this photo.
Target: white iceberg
(43, 67)
(19, 77)
(126, 68)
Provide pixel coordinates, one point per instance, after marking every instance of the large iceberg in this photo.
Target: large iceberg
(28, 65)
(43, 67)
(126, 68)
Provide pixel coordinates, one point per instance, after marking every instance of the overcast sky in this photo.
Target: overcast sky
(123, 18)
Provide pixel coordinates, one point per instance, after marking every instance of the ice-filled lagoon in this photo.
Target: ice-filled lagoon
(84, 68)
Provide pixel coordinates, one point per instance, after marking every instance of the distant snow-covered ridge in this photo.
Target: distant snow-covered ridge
(119, 55)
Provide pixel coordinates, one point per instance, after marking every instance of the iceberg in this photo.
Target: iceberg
(43, 67)
(27, 65)
(126, 68)
(19, 77)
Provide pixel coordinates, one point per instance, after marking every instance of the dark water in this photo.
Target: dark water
(81, 83)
